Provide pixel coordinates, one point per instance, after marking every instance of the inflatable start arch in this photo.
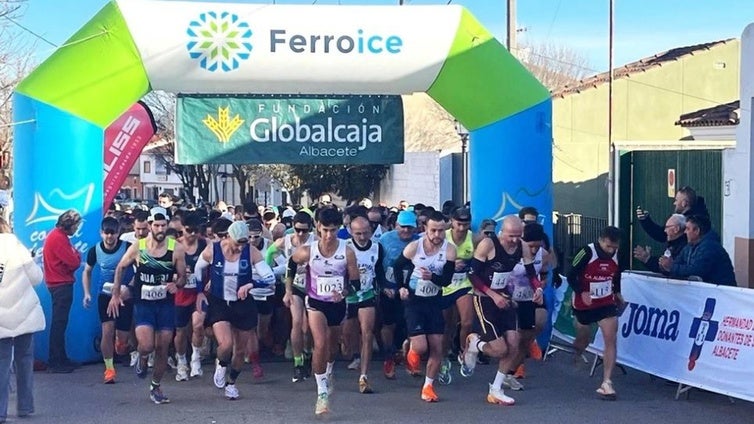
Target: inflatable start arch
(132, 47)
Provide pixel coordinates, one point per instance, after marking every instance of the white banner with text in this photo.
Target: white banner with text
(697, 334)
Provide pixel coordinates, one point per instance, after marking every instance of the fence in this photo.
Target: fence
(571, 232)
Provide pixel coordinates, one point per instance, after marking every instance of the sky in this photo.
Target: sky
(642, 27)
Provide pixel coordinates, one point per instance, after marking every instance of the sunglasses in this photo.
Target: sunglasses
(242, 241)
(301, 230)
(110, 232)
(191, 230)
(222, 235)
(489, 233)
(255, 236)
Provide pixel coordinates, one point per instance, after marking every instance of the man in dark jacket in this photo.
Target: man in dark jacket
(703, 256)
(686, 203)
(675, 228)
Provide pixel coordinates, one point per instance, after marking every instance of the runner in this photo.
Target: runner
(157, 260)
(295, 287)
(263, 293)
(231, 312)
(361, 305)
(105, 257)
(329, 263)
(433, 261)
(457, 298)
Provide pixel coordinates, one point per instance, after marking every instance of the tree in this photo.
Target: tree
(162, 105)
(15, 63)
(351, 182)
(554, 65)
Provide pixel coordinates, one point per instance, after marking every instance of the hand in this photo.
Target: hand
(642, 253)
(500, 301)
(336, 296)
(403, 293)
(666, 263)
(390, 293)
(87, 300)
(641, 213)
(244, 290)
(171, 287)
(538, 296)
(425, 274)
(113, 308)
(201, 300)
(586, 298)
(460, 265)
(287, 299)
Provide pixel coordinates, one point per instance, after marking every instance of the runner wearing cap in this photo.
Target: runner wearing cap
(457, 298)
(158, 258)
(232, 312)
(389, 307)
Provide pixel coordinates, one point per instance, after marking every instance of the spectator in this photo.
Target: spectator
(674, 228)
(61, 260)
(403, 205)
(5, 198)
(20, 317)
(686, 203)
(703, 257)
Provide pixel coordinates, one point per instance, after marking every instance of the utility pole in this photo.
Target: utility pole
(611, 209)
(510, 41)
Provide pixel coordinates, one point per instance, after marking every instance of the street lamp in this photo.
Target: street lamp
(464, 134)
(224, 179)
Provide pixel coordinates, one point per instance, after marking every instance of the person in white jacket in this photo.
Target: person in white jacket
(20, 317)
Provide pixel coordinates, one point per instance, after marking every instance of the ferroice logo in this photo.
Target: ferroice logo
(220, 42)
(703, 329)
(223, 127)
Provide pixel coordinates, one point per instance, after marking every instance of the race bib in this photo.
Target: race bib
(390, 274)
(107, 288)
(366, 282)
(299, 280)
(190, 281)
(499, 280)
(600, 290)
(153, 292)
(325, 285)
(458, 279)
(426, 288)
(230, 291)
(523, 293)
(281, 260)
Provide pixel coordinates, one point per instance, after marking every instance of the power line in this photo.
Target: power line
(30, 31)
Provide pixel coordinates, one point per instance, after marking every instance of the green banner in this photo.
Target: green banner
(353, 130)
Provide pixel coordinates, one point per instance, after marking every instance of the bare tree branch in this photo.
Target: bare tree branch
(554, 65)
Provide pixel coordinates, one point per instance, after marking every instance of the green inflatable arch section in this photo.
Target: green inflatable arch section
(99, 72)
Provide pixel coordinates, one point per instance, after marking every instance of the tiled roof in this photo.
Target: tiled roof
(636, 67)
(716, 116)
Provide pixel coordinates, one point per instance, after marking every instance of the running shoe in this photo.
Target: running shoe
(413, 364)
(196, 368)
(141, 368)
(388, 368)
(256, 371)
(428, 393)
(299, 374)
(219, 377)
(323, 404)
(535, 352)
(510, 382)
(157, 396)
(134, 358)
(182, 373)
(498, 397)
(364, 387)
(355, 364)
(109, 376)
(150, 361)
(520, 372)
(445, 377)
(231, 392)
(471, 352)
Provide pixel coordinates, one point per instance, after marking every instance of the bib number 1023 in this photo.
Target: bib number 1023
(326, 285)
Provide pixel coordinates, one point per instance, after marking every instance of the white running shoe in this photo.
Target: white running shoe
(470, 354)
(231, 392)
(182, 372)
(497, 396)
(134, 358)
(355, 364)
(512, 383)
(150, 361)
(219, 377)
(196, 368)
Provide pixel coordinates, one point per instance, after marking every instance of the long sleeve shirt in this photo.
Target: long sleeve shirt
(61, 259)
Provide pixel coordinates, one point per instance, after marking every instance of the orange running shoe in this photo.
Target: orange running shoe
(413, 363)
(428, 393)
(388, 368)
(520, 372)
(109, 376)
(534, 351)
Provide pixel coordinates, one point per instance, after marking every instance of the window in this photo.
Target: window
(147, 167)
(160, 168)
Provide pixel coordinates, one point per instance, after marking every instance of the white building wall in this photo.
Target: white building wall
(417, 180)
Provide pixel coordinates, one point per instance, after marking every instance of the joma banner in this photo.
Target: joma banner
(357, 130)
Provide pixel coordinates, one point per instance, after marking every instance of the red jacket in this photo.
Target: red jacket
(61, 259)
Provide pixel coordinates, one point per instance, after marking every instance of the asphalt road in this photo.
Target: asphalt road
(557, 391)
